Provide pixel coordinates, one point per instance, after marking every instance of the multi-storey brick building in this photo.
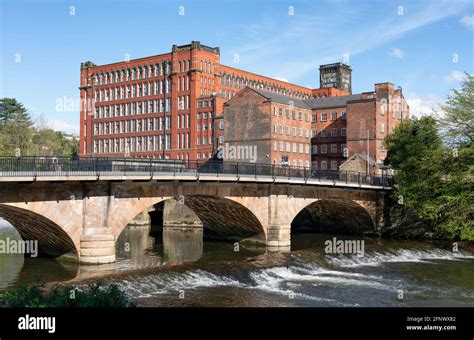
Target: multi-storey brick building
(164, 106)
(333, 128)
(357, 123)
(171, 106)
(277, 125)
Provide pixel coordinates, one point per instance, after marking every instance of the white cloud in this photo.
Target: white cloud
(397, 53)
(258, 43)
(61, 125)
(468, 21)
(454, 77)
(421, 105)
(281, 79)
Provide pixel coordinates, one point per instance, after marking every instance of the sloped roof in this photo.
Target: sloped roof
(329, 102)
(282, 99)
(363, 157)
(312, 103)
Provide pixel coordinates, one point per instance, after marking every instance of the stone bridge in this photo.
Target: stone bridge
(86, 216)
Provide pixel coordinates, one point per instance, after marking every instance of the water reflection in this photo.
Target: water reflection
(16, 268)
(181, 245)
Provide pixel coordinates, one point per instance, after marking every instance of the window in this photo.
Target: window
(300, 148)
(315, 118)
(280, 112)
(275, 146)
(281, 146)
(287, 130)
(221, 139)
(324, 149)
(294, 131)
(314, 149)
(382, 146)
(333, 132)
(334, 116)
(382, 128)
(288, 147)
(333, 165)
(344, 150)
(294, 147)
(281, 129)
(313, 133)
(333, 148)
(324, 117)
(324, 165)
(300, 132)
(343, 132)
(314, 165)
(324, 133)
(274, 111)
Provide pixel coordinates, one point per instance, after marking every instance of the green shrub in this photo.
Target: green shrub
(95, 295)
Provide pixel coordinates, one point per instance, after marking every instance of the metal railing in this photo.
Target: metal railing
(35, 166)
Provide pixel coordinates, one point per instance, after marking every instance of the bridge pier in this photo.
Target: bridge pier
(97, 246)
(97, 242)
(279, 235)
(142, 219)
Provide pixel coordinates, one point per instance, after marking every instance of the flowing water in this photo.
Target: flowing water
(185, 271)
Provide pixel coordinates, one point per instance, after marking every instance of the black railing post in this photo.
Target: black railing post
(255, 170)
(237, 168)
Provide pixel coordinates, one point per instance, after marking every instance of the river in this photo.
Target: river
(155, 271)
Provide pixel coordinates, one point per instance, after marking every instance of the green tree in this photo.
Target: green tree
(458, 118)
(434, 183)
(48, 142)
(415, 153)
(15, 127)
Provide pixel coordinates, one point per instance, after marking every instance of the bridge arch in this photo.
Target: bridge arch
(53, 240)
(334, 215)
(228, 217)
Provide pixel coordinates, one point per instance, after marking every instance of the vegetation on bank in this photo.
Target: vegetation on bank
(18, 132)
(433, 160)
(95, 295)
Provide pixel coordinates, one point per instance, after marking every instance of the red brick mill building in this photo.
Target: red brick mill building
(185, 104)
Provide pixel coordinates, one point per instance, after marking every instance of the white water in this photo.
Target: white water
(295, 281)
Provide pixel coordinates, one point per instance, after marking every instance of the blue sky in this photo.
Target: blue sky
(423, 46)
